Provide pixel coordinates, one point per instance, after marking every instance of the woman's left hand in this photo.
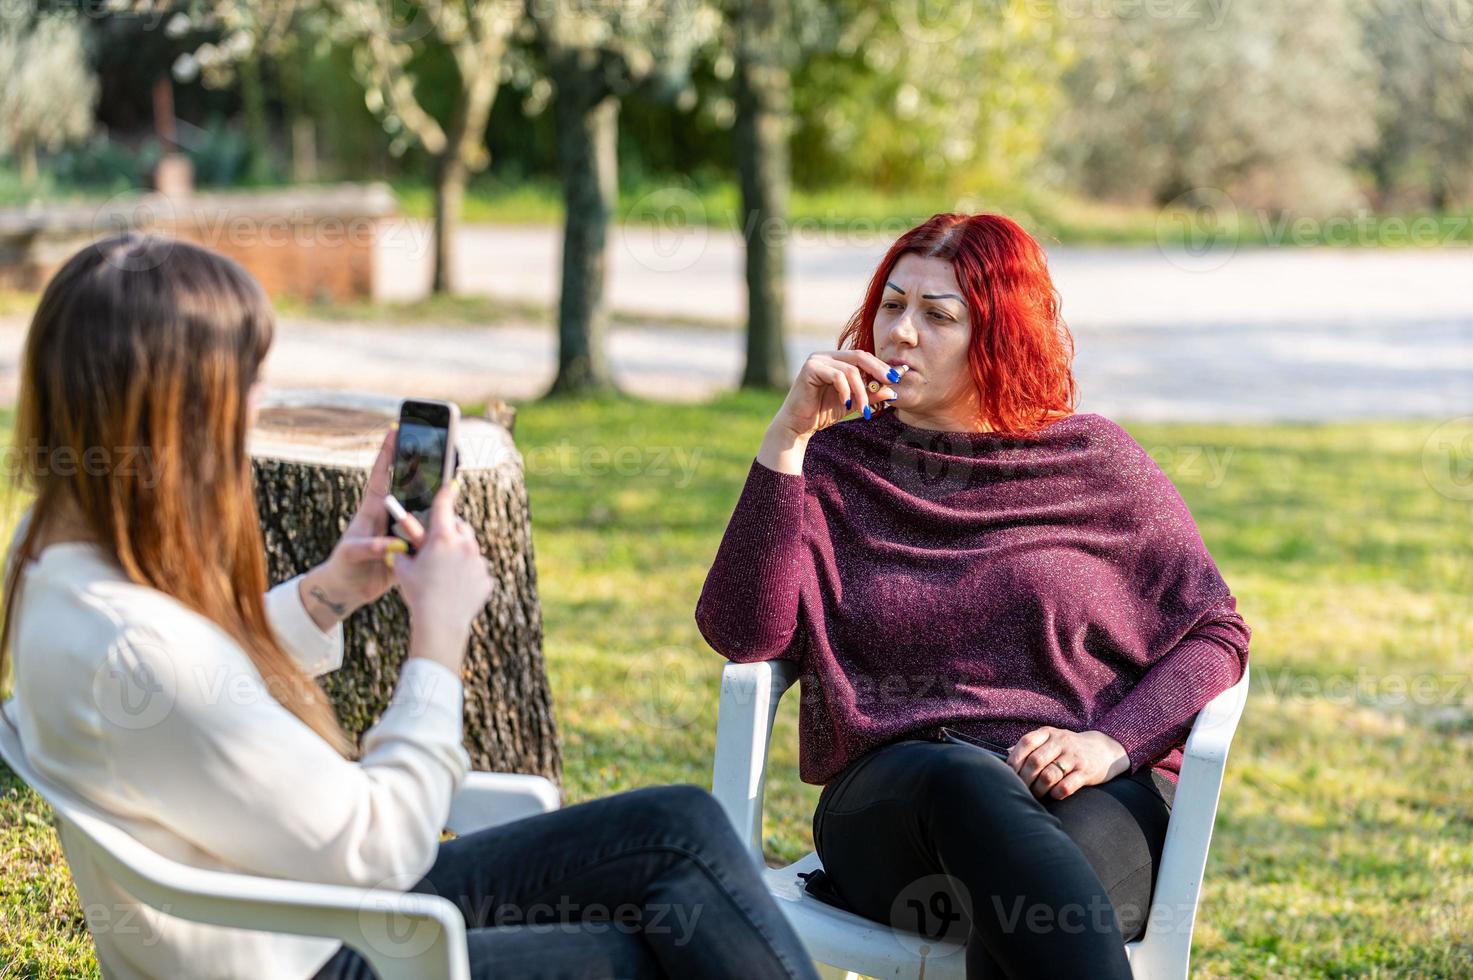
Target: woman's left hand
(1054, 762)
(358, 572)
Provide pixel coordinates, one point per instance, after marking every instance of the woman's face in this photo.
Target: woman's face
(923, 321)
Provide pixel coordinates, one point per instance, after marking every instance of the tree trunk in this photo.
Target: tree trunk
(450, 180)
(465, 139)
(304, 149)
(301, 128)
(587, 120)
(25, 155)
(763, 113)
(311, 452)
(258, 132)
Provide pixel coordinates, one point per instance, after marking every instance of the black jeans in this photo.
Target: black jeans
(946, 841)
(648, 883)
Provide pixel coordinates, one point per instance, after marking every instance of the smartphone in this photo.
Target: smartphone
(424, 457)
(961, 738)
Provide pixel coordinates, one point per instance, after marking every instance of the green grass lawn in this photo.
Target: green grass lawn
(868, 213)
(1344, 842)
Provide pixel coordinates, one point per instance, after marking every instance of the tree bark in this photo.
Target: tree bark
(587, 120)
(310, 453)
(302, 130)
(450, 180)
(258, 131)
(25, 155)
(464, 152)
(763, 114)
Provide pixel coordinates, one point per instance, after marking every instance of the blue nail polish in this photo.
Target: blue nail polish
(894, 375)
(849, 403)
(867, 412)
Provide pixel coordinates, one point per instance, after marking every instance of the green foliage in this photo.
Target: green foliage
(1425, 104)
(221, 154)
(48, 88)
(1265, 100)
(955, 95)
(104, 164)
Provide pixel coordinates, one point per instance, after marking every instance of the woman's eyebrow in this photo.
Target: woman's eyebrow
(928, 295)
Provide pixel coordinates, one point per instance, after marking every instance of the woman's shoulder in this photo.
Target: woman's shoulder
(1093, 423)
(78, 606)
(1100, 432)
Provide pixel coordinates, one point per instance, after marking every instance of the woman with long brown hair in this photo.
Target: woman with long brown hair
(1005, 615)
(158, 682)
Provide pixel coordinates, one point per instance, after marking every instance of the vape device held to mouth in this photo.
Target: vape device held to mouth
(424, 460)
(960, 738)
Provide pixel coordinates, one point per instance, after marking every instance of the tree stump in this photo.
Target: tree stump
(311, 452)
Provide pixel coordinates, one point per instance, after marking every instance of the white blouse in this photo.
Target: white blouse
(157, 719)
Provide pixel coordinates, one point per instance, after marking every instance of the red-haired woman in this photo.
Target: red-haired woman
(971, 554)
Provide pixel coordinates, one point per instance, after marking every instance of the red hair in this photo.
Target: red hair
(1020, 349)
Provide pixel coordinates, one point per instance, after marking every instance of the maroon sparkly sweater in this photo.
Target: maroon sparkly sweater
(992, 583)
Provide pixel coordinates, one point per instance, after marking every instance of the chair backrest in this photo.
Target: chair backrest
(1165, 950)
(360, 917)
(104, 841)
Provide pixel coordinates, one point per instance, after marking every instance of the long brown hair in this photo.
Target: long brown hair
(142, 352)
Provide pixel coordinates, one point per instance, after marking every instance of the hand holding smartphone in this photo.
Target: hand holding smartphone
(424, 461)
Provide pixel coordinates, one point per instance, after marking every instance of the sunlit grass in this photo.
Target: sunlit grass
(858, 214)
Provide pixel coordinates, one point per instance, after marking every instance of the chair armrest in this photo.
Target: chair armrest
(487, 799)
(403, 936)
(749, 698)
(1168, 941)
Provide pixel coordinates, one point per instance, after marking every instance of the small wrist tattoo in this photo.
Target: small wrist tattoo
(339, 609)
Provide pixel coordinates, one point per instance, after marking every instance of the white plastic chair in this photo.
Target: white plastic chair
(749, 698)
(371, 921)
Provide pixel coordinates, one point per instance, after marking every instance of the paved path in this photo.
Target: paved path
(698, 274)
(1230, 334)
(1250, 335)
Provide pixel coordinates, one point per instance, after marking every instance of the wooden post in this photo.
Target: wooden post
(311, 451)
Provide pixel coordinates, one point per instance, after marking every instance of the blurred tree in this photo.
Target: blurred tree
(1265, 100)
(388, 40)
(48, 89)
(243, 36)
(959, 94)
(596, 53)
(950, 92)
(392, 44)
(768, 38)
(1425, 69)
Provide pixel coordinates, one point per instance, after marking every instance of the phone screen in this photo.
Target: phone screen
(419, 457)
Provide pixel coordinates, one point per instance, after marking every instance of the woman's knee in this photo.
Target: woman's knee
(681, 810)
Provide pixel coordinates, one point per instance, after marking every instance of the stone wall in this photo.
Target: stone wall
(307, 243)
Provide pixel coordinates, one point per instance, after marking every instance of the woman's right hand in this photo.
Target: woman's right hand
(445, 584)
(830, 385)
